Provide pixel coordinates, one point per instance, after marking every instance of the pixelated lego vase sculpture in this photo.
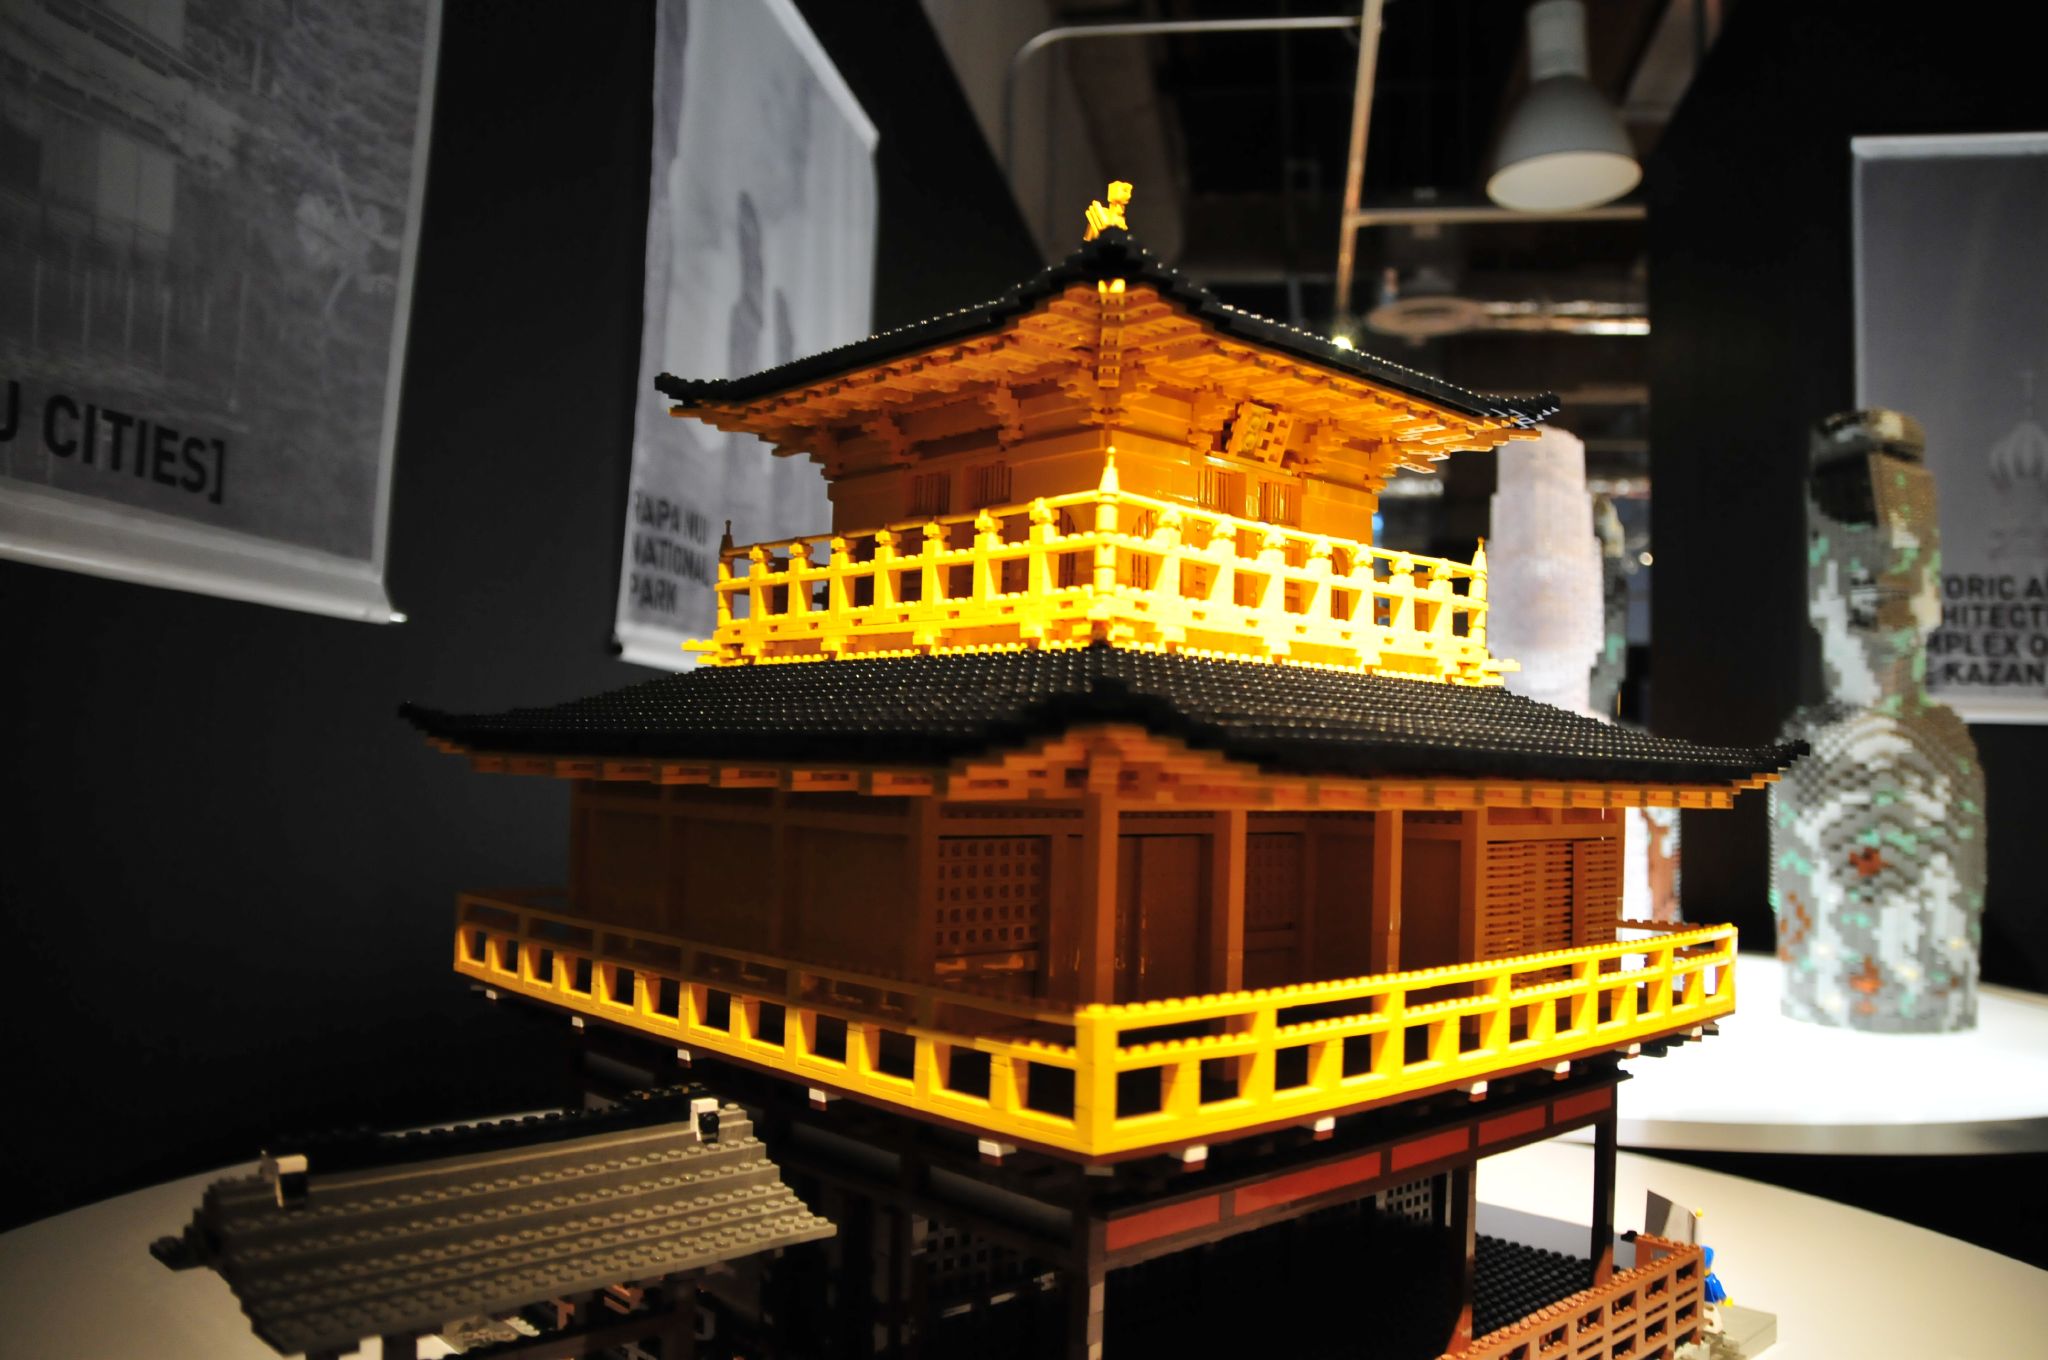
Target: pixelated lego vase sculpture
(1544, 573)
(1877, 838)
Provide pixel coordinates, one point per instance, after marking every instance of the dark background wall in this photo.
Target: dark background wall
(228, 869)
(1752, 341)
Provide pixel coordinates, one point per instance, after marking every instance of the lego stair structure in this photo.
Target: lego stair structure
(393, 1237)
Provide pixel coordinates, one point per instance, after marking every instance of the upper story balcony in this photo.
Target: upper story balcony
(1105, 565)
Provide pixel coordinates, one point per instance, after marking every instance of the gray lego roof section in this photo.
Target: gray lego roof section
(404, 1248)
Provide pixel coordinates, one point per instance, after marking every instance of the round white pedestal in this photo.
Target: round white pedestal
(1769, 1084)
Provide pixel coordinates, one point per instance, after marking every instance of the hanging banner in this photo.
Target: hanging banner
(1952, 328)
(760, 249)
(208, 218)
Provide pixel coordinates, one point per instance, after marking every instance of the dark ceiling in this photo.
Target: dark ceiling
(1259, 127)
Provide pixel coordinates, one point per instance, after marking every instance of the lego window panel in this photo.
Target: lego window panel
(990, 917)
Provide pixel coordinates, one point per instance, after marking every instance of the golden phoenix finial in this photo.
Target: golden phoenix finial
(1100, 217)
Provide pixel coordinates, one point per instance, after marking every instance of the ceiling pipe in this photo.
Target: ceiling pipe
(1038, 42)
(1369, 21)
(1425, 316)
(1455, 214)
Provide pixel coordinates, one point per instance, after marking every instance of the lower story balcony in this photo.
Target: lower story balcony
(1102, 1082)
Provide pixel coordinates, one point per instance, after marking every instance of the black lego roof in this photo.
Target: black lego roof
(1115, 254)
(925, 710)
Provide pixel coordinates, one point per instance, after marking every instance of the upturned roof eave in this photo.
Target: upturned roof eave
(1112, 255)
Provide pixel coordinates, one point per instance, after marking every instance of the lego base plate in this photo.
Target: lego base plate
(1770, 1084)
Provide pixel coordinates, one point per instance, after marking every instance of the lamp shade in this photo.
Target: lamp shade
(1564, 147)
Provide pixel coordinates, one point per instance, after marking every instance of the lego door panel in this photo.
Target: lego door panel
(1340, 899)
(1596, 889)
(1275, 867)
(1430, 925)
(851, 898)
(1162, 890)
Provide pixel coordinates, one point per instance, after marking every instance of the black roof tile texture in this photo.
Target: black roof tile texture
(1113, 255)
(926, 710)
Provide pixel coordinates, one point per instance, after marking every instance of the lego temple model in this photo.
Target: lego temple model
(1095, 816)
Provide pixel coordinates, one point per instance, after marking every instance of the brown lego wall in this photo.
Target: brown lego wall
(816, 877)
(1548, 879)
(1187, 445)
(1205, 900)
(233, 868)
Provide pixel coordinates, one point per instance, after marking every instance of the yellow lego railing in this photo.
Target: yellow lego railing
(1105, 565)
(1098, 1081)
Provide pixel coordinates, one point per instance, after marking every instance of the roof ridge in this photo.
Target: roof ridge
(362, 1148)
(1114, 253)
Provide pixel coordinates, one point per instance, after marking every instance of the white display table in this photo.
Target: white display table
(83, 1284)
(1769, 1084)
(1843, 1282)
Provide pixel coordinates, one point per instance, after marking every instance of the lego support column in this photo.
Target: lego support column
(1385, 946)
(1087, 1286)
(1225, 931)
(853, 1331)
(1096, 929)
(1460, 1216)
(1604, 1146)
(679, 1304)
